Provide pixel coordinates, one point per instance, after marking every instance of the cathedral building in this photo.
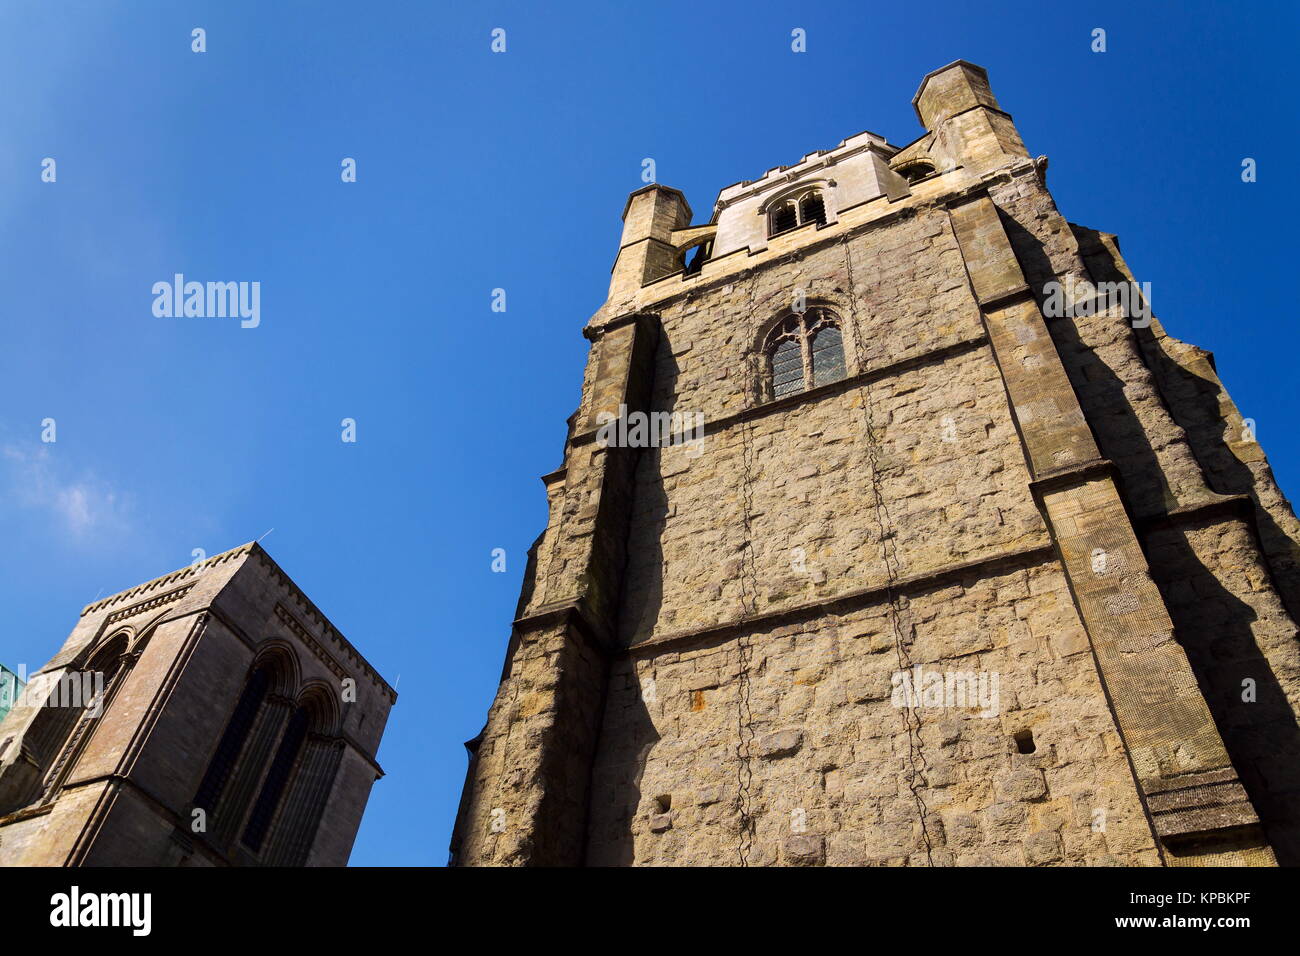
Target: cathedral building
(971, 563)
(212, 717)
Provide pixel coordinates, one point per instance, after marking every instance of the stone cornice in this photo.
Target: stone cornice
(786, 175)
(300, 631)
(190, 574)
(26, 813)
(328, 630)
(927, 580)
(182, 574)
(155, 602)
(808, 396)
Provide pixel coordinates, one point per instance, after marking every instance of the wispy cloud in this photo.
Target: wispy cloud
(80, 507)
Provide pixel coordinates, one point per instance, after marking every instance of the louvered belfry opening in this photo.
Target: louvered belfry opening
(784, 218)
(795, 211)
(812, 209)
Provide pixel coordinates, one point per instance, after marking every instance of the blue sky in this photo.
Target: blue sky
(479, 171)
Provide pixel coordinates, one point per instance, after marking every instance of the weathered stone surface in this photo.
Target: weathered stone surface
(781, 744)
(803, 850)
(1042, 848)
(989, 491)
(1024, 785)
(117, 784)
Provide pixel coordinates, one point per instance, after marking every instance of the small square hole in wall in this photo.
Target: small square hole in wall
(664, 803)
(1024, 741)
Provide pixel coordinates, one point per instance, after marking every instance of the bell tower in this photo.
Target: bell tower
(956, 576)
(211, 717)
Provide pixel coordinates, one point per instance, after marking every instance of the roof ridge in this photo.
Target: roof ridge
(170, 577)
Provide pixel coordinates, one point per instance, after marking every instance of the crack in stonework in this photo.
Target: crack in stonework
(749, 609)
(889, 556)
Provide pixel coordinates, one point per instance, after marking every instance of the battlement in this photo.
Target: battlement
(965, 130)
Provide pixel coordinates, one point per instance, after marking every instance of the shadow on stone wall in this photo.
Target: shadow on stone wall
(643, 579)
(1195, 404)
(628, 733)
(1217, 630)
(1214, 626)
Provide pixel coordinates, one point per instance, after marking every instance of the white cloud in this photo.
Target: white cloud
(80, 507)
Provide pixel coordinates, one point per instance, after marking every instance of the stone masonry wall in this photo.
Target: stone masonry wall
(1236, 630)
(1159, 412)
(950, 470)
(1067, 503)
(828, 741)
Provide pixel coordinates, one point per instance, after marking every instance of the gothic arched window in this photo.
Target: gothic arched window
(804, 351)
(797, 210)
(827, 355)
(787, 367)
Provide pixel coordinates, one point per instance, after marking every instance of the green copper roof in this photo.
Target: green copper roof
(10, 688)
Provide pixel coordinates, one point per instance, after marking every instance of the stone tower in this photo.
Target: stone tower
(212, 717)
(974, 564)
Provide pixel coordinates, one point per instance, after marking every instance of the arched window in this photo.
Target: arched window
(77, 700)
(68, 702)
(282, 825)
(277, 778)
(804, 351)
(302, 803)
(827, 355)
(797, 211)
(787, 368)
(232, 741)
(236, 767)
(913, 172)
(693, 259)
